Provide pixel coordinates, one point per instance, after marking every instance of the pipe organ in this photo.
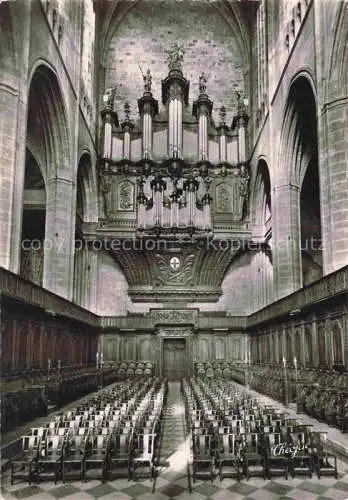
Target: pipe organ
(173, 170)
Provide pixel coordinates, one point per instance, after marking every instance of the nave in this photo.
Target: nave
(174, 456)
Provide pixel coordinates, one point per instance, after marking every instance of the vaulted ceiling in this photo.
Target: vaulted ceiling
(214, 36)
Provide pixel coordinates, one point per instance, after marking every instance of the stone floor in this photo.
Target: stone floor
(174, 480)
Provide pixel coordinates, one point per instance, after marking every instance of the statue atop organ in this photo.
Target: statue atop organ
(147, 81)
(173, 170)
(175, 57)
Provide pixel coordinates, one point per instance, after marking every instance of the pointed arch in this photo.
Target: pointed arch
(337, 80)
(298, 137)
(261, 198)
(47, 103)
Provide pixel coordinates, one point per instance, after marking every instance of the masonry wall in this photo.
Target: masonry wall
(316, 51)
(34, 40)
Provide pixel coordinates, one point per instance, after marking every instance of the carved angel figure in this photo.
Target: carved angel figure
(175, 57)
(202, 84)
(109, 96)
(244, 182)
(147, 81)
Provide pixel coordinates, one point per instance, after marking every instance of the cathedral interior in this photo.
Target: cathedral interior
(174, 249)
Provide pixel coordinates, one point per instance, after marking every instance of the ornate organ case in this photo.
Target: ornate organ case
(174, 172)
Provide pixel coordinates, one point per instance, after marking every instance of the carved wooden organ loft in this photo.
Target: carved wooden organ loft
(174, 171)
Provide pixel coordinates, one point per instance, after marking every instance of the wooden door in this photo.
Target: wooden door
(174, 358)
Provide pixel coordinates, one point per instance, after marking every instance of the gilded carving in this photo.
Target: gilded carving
(173, 316)
(175, 91)
(175, 332)
(106, 190)
(166, 274)
(223, 198)
(126, 196)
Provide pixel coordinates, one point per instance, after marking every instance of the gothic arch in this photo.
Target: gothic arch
(47, 103)
(298, 167)
(261, 201)
(337, 81)
(298, 137)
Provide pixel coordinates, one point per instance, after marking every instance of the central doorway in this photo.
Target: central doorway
(174, 358)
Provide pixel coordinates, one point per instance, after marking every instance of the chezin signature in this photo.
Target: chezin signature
(283, 449)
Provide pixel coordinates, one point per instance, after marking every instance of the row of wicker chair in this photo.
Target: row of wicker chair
(115, 433)
(234, 435)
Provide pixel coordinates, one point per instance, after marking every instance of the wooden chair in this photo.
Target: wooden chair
(75, 453)
(203, 456)
(143, 455)
(228, 454)
(49, 461)
(119, 457)
(301, 459)
(277, 458)
(22, 466)
(324, 462)
(97, 451)
(254, 456)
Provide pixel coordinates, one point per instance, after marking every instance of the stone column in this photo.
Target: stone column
(59, 233)
(287, 247)
(13, 104)
(333, 137)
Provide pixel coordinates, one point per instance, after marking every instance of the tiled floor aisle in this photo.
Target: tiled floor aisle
(173, 482)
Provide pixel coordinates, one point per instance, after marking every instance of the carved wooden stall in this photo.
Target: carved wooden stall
(310, 325)
(38, 326)
(173, 339)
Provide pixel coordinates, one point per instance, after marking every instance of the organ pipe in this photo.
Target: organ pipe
(175, 126)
